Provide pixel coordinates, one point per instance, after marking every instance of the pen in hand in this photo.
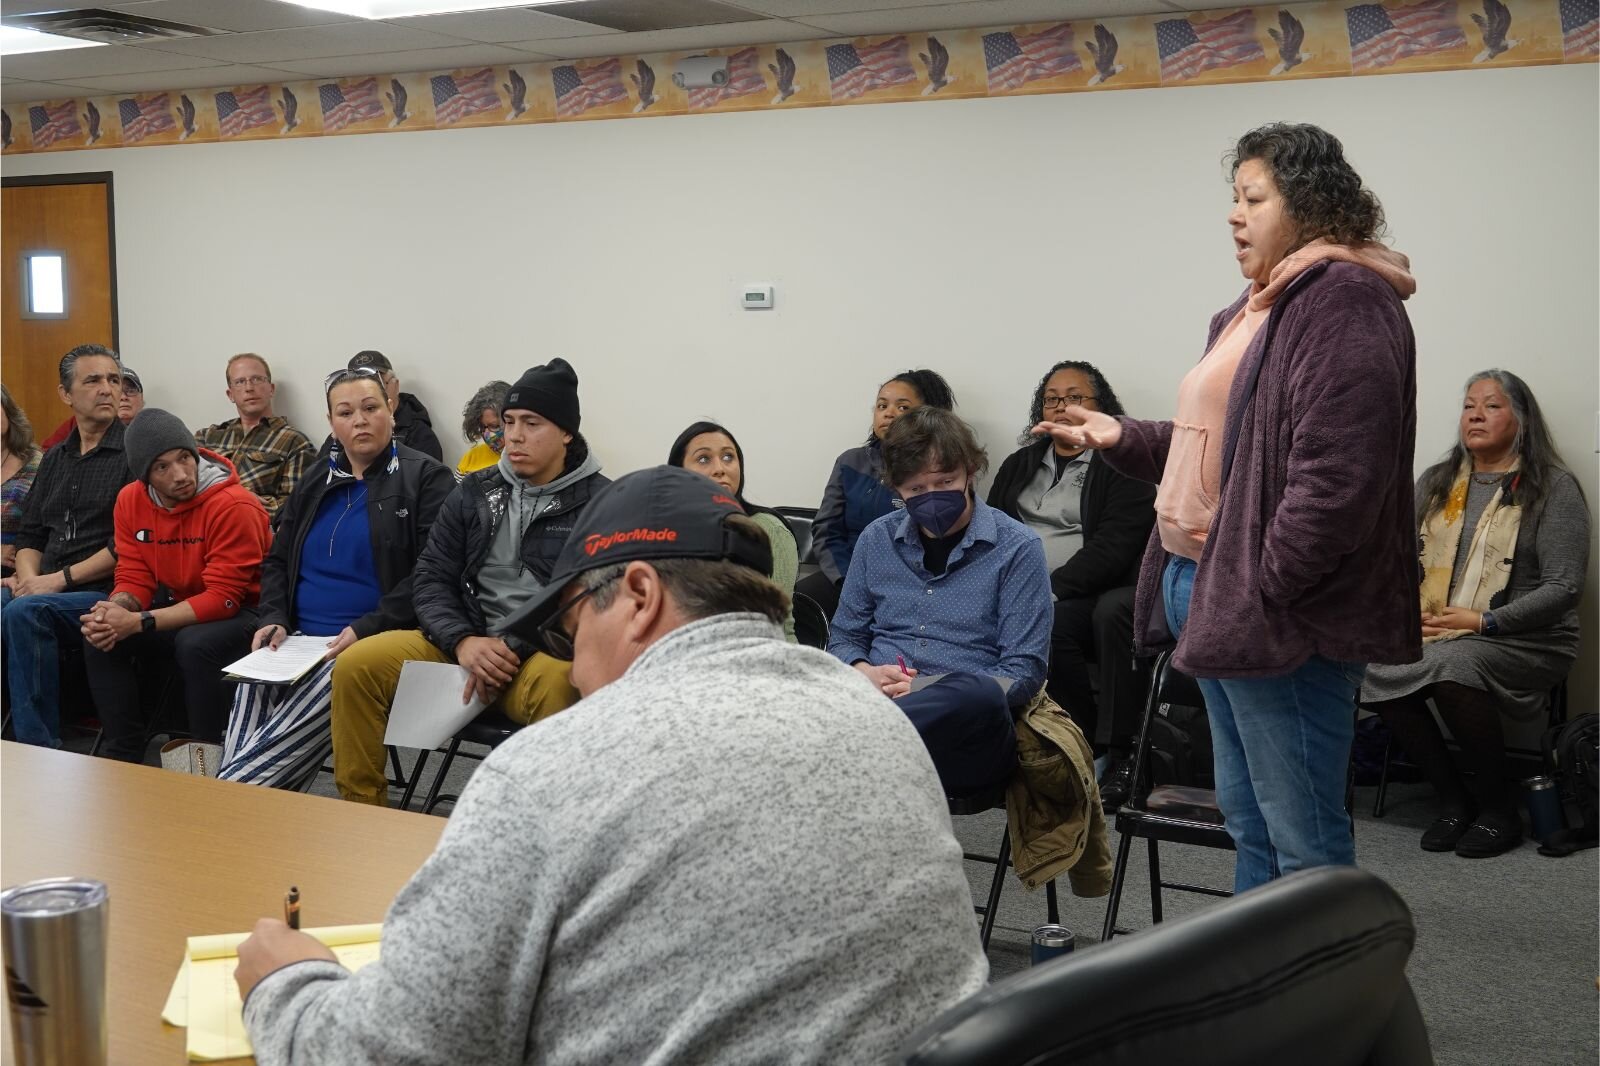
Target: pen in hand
(291, 908)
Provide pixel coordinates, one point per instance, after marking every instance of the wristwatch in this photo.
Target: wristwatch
(147, 622)
(1490, 626)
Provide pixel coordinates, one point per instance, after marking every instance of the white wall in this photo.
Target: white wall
(985, 238)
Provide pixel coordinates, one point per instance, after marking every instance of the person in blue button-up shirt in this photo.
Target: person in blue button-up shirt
(951, 585)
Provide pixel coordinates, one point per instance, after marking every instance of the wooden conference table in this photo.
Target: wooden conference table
(184, 856)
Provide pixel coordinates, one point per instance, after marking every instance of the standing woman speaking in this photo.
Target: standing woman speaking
(1284, 554)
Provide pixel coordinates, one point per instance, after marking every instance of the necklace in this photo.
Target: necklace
(349, 501)
(1492, 478)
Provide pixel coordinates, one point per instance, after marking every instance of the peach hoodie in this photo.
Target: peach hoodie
(1187, 497)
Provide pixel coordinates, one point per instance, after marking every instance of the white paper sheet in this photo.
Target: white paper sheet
(427, 708)
(295, 657)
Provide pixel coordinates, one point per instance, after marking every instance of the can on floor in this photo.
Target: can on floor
(54, 936)
(1052, 941)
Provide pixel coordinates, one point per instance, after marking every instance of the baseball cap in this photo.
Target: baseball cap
(130, 379)
(376, 360)
(662, 512)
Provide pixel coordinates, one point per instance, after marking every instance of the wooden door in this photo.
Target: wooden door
(69, 213)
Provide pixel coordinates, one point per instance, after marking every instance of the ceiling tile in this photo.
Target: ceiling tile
(470, 55)
(796, 8)
(71, 63)
(624, 44)
(205, 78)
(23, 92)
(311, 42)
(33, 7)
(497, 27)
(237, 16)
(984, 13)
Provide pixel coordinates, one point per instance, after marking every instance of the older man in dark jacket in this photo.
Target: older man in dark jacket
(493, 545)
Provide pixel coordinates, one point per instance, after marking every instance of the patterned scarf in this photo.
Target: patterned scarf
(1493, 543)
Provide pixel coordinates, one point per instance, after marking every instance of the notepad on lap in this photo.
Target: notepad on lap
(293, 659)
(205, 998)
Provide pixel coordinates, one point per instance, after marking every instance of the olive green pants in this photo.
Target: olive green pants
(365, 676)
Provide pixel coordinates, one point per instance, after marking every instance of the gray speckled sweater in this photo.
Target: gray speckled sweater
(738, 852)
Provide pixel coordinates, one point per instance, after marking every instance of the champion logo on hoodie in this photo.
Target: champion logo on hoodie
(145, 536)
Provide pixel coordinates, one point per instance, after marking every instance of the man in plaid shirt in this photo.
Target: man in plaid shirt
(269, 453)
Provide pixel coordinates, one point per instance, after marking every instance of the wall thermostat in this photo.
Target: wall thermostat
(756, 297)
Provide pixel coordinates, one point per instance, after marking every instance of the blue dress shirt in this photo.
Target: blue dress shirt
(988, 613)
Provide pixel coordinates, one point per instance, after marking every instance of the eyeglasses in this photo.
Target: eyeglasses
(254, 381)
(349, 374)
(558, 643)
(1071, 399)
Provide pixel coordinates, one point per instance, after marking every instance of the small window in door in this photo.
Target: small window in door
(44, 285)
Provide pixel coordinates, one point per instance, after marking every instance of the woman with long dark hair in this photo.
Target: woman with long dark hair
(1094, 522)
(711, 451)
(19, 462)
(1283, 556)
(856, 495)
(1504, 542)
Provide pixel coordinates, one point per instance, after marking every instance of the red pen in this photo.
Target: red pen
(901, 659)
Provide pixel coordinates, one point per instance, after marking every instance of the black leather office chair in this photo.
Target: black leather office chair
(1307, 969)
(1173, 813)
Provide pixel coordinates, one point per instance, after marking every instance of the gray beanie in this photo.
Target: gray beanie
(152, 432)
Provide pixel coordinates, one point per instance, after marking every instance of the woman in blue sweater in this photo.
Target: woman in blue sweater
(855, 495)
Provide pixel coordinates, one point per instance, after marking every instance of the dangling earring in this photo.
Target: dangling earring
(394, 456)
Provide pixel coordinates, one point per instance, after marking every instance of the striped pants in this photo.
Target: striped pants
(280, 735)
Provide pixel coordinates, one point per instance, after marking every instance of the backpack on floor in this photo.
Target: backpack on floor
(1572, 757)
(1180, 747)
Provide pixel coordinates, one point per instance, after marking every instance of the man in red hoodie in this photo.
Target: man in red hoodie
(189, 541)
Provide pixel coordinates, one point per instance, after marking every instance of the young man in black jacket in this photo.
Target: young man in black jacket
(493, 545)
(1094, 523)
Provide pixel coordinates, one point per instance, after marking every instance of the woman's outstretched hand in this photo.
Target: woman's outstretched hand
(1080, 427)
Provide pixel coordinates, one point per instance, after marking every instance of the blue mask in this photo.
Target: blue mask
(495, 439)
(937, 511)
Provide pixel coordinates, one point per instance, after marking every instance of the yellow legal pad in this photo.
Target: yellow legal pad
(205, 998)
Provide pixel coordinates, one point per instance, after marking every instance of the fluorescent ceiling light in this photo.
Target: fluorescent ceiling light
(393, 9)
(14, 41)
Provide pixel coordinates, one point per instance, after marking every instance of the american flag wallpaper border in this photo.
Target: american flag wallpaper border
(1337, 38)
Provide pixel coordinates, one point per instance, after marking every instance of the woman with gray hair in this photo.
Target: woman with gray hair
(480, 426)
(1504, 542)
(19, 462)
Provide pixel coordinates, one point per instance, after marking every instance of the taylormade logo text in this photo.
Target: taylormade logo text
(596, 542)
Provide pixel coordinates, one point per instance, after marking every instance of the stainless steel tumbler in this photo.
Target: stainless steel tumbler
(1544, 807)
(55, 936)
(1052, 941)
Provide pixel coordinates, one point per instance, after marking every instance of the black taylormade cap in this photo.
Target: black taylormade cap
(664, 512)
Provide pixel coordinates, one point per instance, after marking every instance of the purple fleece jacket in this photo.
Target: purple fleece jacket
(1312, 549)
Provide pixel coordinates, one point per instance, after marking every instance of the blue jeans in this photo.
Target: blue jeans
(33, 628)
(1282, 753)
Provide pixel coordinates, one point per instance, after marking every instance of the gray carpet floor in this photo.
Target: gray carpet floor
(1505, 964)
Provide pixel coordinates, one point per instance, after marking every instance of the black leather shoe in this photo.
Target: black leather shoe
(1116, 786)
(1485, 839)
(1446, 833)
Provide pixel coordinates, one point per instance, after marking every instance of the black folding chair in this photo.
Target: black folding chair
(490, 729)
(977, 804)
(1176, 813)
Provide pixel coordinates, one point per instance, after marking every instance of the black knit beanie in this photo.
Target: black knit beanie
(550, 391)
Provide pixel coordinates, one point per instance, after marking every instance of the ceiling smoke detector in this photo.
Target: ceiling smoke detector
(105, 27)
